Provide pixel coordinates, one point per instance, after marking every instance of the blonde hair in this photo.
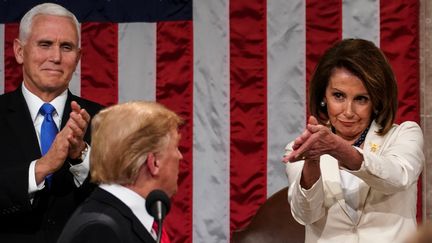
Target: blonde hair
(123, 135)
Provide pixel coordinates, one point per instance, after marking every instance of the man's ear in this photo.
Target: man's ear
(78, 56)
(18, 48)
(152, 164)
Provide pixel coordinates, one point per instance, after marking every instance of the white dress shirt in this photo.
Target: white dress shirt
(350, 189)
(80, 171)
(134, 201)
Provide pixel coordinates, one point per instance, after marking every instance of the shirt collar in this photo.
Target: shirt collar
(133, 200)
(34, 102)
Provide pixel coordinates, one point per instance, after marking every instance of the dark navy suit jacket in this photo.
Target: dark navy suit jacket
(43, 220)
(104, 218)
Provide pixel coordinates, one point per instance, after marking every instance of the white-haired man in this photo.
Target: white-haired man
(44, 138)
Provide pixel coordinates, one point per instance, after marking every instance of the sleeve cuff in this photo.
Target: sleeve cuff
(32, 186)
(80, 171)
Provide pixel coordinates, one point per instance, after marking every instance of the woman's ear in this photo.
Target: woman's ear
(152, 164)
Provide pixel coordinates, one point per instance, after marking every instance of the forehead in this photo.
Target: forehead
(53, 27)
(175, 135)
(341, 78)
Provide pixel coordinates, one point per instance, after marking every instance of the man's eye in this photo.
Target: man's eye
(44, 45)
(66, 48)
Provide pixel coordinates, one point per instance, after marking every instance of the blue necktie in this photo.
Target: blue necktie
(48, 132)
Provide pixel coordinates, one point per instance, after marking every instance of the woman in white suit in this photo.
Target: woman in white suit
(353, 173)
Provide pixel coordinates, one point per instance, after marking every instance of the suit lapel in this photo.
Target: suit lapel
(67, 109)
(19, 119)
(371, 145)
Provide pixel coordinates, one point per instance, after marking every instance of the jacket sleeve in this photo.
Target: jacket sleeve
(394, 164)
(307, 206)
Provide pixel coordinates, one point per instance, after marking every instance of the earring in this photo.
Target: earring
(323, 104)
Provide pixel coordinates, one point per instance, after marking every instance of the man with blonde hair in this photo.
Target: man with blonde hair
(134, 151)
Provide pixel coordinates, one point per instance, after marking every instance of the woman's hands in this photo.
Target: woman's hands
(315, 141)
(318, 140)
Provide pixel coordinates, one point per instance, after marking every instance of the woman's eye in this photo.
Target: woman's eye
(338, 96)
(362, 99)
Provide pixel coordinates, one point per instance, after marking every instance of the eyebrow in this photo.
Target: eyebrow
(51, 42)
(336, 89)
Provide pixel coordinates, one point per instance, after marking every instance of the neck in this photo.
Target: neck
(362, 137)
(44, 95)
(359, 141)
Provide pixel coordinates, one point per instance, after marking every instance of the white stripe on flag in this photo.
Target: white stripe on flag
(211, 173)
(361, 19)
(2, 54)
(75, 83)
(137, 61)
(286, 83)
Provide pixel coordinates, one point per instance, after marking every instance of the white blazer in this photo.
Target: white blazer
(387, 191)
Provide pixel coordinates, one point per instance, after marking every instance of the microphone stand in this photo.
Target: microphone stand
(160, 220)
(158, 205)
(159, 233)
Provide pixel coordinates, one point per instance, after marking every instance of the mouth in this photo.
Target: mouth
(53, 71)
(347, 123)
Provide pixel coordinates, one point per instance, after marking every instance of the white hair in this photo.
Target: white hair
(45, 9)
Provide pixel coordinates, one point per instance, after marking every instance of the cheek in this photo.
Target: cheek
(333, 110)
(69, 67)
(366, 112)
(34, 55)
(174, 163)
(176, 167)
(71, 60)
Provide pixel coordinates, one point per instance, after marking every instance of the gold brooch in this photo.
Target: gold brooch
(373, 147)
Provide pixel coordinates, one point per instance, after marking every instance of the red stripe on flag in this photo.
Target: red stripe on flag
(99, 62)
(323, 29)
(248, 96)
(400, 43)
(174, 89)
(13, 71)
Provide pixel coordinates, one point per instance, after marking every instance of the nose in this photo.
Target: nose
(349, 109)
(55, 55)
(180, 155)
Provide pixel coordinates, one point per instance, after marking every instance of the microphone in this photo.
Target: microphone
(158, 205)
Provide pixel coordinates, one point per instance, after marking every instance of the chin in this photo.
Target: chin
(172, 192)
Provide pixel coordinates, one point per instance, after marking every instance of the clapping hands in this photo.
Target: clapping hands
(315, 141)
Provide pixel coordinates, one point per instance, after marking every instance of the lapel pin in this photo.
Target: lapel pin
(374, 147)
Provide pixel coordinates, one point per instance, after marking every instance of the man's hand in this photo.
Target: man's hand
(55, 157)
(67, 143)
(78, 122)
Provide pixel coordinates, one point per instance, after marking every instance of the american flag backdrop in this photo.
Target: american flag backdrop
(236, 71)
